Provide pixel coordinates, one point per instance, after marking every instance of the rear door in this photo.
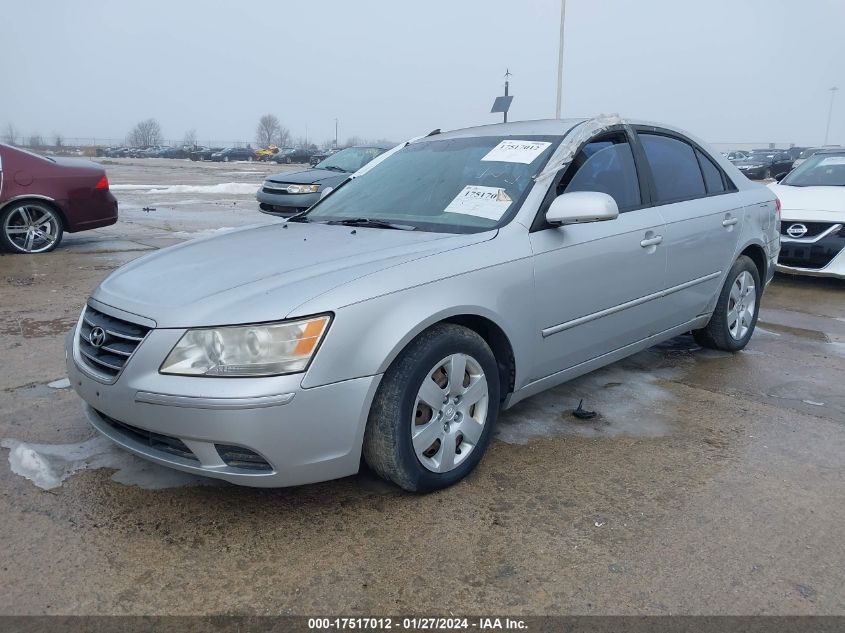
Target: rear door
(596, 283)
(703, 219)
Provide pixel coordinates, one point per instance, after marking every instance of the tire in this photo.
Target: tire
(30, 227)
(398, 410)
(726, 330)
(287, 159)
(225, 159)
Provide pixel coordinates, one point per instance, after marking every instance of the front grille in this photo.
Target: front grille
(811, 255)
(156, 441)
(813, 228)
(240, 457)
(281, 190)
(110, 353)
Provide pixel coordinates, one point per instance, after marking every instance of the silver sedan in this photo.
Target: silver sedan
(446, 281)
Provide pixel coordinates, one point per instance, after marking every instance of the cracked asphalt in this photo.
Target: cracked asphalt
(709, 483)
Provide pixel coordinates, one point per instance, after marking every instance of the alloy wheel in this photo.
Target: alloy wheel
(449, 413)
(741, 305)
(32, 228)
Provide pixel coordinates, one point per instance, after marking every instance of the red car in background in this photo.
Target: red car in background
(42, 197)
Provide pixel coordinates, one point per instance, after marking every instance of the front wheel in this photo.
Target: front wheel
(30, 227)
(735, 317)
(433, 414)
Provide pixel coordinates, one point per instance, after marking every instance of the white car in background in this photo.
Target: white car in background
(812, 198)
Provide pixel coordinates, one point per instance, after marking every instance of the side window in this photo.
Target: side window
(712, 174)
(674, 168)
(605, 165)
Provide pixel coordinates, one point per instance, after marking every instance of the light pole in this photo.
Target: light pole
(560, 58)
(829, 113)
(335, 133)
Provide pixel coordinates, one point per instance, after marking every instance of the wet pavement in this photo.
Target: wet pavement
(708, 482)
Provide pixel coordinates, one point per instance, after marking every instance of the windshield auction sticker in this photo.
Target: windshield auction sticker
(515, 151)
(484, 202)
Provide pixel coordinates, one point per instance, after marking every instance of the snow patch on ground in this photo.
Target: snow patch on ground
(234, 188)
(48, 465)
(62, 383)
(205, 233)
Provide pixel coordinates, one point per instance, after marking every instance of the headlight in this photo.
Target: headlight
(247, 350)
(303, 188)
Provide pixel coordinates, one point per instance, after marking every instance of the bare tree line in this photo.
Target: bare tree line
(148, 132)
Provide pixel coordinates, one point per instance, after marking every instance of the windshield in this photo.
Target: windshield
(820, 170)
(461, 185)
(350, 159)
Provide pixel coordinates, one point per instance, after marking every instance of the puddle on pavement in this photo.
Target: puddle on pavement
(33, 328)
(627, 401)
(48, 465)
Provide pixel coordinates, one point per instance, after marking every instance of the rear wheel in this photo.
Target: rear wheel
(30, 227)
(735, 317)
(433, 414)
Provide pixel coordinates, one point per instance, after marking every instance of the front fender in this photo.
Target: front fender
(366, 337)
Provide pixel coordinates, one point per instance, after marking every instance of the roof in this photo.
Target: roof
(538, 127)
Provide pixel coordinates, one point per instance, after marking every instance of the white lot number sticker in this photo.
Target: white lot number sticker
(832, 160)
(484, 202)
(515, 151)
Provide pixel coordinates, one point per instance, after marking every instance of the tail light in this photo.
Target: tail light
(103, 183)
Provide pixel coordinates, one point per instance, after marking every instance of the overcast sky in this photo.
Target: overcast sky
(726, 70)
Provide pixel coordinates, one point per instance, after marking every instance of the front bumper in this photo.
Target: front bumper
(285, 204)
(305, 435)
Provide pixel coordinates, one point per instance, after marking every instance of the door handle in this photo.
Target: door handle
(730, 221)
(652, 241)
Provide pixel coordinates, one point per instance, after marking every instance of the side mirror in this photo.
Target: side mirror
(779, 177)
(579, 207)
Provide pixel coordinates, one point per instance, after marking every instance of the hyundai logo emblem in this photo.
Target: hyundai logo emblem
(796, 230)
(97, 336)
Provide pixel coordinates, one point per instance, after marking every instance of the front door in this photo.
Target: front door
(596, 284)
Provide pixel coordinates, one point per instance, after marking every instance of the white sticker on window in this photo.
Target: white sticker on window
(832, 160)
(484, 202)
(515, 151)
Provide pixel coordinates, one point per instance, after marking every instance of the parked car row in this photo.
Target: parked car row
(286, 155)
(762, 164)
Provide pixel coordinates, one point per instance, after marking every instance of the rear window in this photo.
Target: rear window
(712, 174)
(674, 168)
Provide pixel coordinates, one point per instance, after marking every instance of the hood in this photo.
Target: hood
(261, 273)
(822, 203)
(307, 176)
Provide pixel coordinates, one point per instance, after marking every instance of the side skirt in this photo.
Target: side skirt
(561, 377)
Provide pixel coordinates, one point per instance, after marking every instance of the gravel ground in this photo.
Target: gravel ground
(710, 482)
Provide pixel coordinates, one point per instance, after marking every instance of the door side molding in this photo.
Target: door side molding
(554, 329)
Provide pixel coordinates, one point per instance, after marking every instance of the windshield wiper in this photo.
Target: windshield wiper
(373, 223)
(334, 168)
